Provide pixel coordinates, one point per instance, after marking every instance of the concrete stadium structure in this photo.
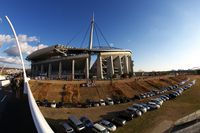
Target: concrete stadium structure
(64, 62)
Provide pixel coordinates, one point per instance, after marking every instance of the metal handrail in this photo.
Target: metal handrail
(40, 123)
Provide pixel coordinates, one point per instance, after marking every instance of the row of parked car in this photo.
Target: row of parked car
(159, 92)
(140, 108)
(107, 101)
(84, 124)
(120, 118)
(87, 104)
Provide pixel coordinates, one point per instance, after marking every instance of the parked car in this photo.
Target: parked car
(95, 104)
(157, 101)
(45, 103)
(176, 93)
(116, 100)
(180, 90)
(145, 105)
(53, 104)
(67, 127)
(59, 104)
(117, 121)
(153, 105)
(108, 125)
(97, 128)
(134, 110)
(127, 115)
(38, 102)
(102, 102)
(172, 95)
(88, 103)
(109, 101)
(140, 107)
(164, 97)
(87, 122)
(76, 123)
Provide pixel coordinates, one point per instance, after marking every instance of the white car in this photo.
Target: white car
(97, 128)
(102, 102)
(109, 101)
(53, 104)
(108, 125)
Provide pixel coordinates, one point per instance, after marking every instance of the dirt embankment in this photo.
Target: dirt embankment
(70, 91)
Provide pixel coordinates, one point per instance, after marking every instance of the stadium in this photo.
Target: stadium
(71, 63)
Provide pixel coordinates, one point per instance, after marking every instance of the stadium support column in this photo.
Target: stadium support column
(87, 69)
(73, 65)
(32, 70)
(42, 69)
(110, 64)
(131, 64)
(99, 67)
(119, 62)
(49, 71)
(60, 70)
(126, 64)
(36, 70)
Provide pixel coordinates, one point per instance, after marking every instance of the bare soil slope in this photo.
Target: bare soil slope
(70, 91)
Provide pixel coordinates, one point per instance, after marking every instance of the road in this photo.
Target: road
(15, 115)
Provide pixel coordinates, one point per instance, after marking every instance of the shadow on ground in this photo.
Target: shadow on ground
(17, 117)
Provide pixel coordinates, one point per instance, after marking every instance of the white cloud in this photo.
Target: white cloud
(24, 41)
(10, 60)
(5, 39)
(25, 38)
(25, 47)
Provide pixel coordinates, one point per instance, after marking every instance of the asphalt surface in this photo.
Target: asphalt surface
(15, 115)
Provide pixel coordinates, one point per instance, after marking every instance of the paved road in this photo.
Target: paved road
(4, 97)
(15, 115)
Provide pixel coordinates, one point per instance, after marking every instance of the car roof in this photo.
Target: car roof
(105, 122)
(131, 108)
(98, 126)
(66, 125)
(75, 120)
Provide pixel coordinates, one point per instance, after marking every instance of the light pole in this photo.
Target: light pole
(39, 120)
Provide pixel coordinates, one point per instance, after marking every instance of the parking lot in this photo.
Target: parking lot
(102, 111)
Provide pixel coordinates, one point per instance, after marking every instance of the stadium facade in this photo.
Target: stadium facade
(70, 63)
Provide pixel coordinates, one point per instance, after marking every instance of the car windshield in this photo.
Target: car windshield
(87, 121)
(69, 130)
(110, 125)
(80, 126)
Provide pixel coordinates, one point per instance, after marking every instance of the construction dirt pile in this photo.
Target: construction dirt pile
(71, 92)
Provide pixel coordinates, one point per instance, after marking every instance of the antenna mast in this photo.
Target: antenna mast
(91, 32)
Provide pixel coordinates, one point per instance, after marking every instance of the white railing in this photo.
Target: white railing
(39, 120)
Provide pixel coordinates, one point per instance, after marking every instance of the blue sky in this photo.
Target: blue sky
(163, 35)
